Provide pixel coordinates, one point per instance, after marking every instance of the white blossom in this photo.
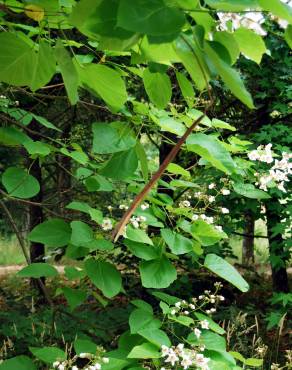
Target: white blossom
(204, 324)
(212, 185)
(184, 203)
(211, 198)
(144, 206)
(224, 210)
(107, 224)
(197, 332)
(105, 360)
(195, 217)
(225, 191)
(56, 363)
(172, 358)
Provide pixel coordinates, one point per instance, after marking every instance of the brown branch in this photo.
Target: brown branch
(139, 198)
(250, 236)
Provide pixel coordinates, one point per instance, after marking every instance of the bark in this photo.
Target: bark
(276, 248)
(248, 241)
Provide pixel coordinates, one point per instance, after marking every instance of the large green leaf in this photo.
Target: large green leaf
(186, 88)
(11, 136)
(141, 319)
(17, 58)
(205, 233)
(104, 276)
(121, 166)
(145, 350)
(278, 8)
(230, 77)
(138, 235)
(82, 233)
(18, 183)
(106, 83)
(53, 233)
(250, 44)
(44, 66)
(159, 96)
(193, 61)
(19, 363)
(141, 250)
(155, 336)
(228, 41)
(74, 297)
(226, 271)
(250, 191)
(107, 139)
(48, 354)
(68, 71)
(151, 17)
(37, 270)
(178, 243)
(158, 273)
(210, 149)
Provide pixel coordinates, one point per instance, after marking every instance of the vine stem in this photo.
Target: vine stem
(119, 229)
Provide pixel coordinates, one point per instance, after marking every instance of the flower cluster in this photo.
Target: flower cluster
(186, 357)
(251, 20)
(278, 173)
(94, 364)
(136, 220)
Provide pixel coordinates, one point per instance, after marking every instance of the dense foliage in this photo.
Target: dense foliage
(132, 150)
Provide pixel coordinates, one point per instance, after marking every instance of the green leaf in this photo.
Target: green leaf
(233, 5)
(255, 362)
(178, 244)
(48, 354)
(74, 297)
(19, 363)
(186, 88)
(223, 269)
(210, 149)
(160, 97)
(193, 61)
(221, 124)
(169, 124)
(79, 206)
(140, 319)
(278, 8)
(37, 270)
(158, 273)
(104, 276)
(144, 251)
(205, 233)
(141, 154)
(288, 35)
(107, 139)
(151, 17)
(230, 77)
(228, 41)
(11, 136)
(155, 336)
(84, 346)
(138, 235)
(106, 83)
(250, 191)
(73, 273)
(68, 71)
(44, 122)
(145, 350)
(81, 233)
(53, 233)
(177, 170)
(139, 303)
(121, 165)
(182, 320)
(250, 44)
(37, 148)
(44, 67)
(212, 324)
(18, 183)
(211, 340)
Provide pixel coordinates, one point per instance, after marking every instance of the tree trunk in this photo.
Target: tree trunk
(276, 248)
(248, 240)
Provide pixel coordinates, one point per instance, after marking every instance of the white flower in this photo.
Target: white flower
(75, 368)
(85, 355)
(224, 210)
(56, 364)
(135, 222)
(105, 360)
(185, 203)
(96, 366)
(221, 298)
(186, 362)
(195, 217)
(204, 324)
(61, 367)
(123, 206)
(164, 350)
(172, 358)
(211, 198)
(225, 191)
(212, 185)
(173, 312)
(144, 206)
(186, 313)
(192, 306)
(219, 228)
(202, 361)
(178, 304)
(213, 310)
(209, 220)
(106, 224)
(110, 208)
(197, 332)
